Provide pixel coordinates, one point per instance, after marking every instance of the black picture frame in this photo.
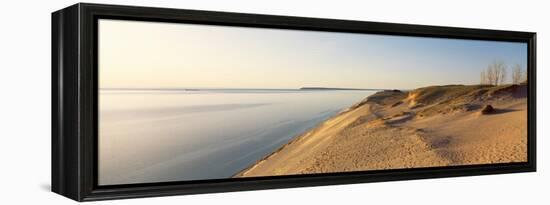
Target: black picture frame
(74, 101)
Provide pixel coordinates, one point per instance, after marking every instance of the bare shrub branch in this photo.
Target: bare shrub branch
(495, 74)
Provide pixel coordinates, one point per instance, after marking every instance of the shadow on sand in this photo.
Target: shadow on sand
(501, 111)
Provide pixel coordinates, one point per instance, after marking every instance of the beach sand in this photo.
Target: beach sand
(426, 127)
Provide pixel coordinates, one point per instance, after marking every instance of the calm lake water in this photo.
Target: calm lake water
(179, 135)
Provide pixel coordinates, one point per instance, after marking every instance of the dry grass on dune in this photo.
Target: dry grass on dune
(425, 127)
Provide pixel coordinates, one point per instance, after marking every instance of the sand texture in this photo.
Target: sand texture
(425, 127)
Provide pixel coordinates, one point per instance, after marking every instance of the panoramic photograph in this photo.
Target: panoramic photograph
(186, 102)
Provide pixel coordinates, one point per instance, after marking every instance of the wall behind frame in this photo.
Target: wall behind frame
(25, 105)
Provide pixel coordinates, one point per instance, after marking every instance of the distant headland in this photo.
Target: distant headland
(327, 88)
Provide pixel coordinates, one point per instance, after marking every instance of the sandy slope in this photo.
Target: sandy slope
(432, 126)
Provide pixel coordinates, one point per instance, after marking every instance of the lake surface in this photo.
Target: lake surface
(180, 135)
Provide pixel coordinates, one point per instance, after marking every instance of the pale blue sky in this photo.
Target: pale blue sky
(168, 55)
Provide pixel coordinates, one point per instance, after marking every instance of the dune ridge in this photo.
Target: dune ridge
(426, 127)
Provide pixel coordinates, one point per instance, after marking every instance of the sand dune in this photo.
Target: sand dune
(426, 127)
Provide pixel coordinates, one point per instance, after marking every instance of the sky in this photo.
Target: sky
(137, 54)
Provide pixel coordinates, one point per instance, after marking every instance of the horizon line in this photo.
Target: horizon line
(231, 88)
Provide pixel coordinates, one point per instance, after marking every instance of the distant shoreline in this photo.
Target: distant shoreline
(266, 89)
(327, 88)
